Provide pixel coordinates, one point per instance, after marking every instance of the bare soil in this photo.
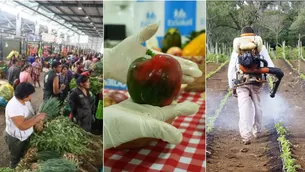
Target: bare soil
(216, 86)
(263, 154)
(228, 153)
(295, 63)
(210, 67)
(292, 90)
(224, 142)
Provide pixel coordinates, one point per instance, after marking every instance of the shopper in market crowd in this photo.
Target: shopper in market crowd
(31, 58)
(25, 75)
(64, 80)
(79, 69)
(36, 71)
(87, 63)
(13, 73)
(19, 120)
(51, 82)
(249, 104)
(11, 60)
(81, 101)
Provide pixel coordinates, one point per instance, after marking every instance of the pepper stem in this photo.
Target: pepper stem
(150, 53)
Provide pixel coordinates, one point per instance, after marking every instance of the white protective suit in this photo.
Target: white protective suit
(249, 103)
(127, 120)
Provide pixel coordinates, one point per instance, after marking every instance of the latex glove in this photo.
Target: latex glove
(128, 121)
(118, 59)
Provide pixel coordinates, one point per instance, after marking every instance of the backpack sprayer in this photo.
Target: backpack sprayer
(250, 62)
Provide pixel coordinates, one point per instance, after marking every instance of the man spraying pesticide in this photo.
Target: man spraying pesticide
(249, 65)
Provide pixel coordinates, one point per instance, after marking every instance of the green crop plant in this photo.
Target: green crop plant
(293, 68)
(212, 119)
(216, 58)
(302, 76)
(289, 162)
(209, 75)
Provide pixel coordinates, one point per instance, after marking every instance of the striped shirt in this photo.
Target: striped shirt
(15, 108)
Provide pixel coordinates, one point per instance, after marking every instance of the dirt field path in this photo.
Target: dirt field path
(292, 91)
(295, 64)
(210, 67)
(4, 154)
(224, 142)
(217, 87)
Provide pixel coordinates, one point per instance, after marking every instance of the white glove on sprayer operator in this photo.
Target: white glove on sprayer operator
(127, 120)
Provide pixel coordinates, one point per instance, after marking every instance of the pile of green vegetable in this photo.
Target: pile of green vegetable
(96, 84)
(6, 169)
(98, 69)
(61, 145)
(56, 165)
(61, 135)
(51, 107)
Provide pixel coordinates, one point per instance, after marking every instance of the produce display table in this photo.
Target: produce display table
(161, 156)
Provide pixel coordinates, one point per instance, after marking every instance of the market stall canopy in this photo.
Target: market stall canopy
(86, 16)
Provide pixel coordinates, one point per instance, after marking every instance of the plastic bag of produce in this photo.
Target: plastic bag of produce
(3, 102)
(6, 91)
(99, 111)
(67, 110)
(13, 52)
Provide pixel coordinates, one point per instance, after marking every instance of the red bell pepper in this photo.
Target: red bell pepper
(155, 81)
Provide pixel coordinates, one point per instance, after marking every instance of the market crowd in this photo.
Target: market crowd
(24, 74)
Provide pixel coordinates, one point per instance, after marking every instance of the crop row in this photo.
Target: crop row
(289, 162)
(211, 120)
(210, 74)
(302, 76)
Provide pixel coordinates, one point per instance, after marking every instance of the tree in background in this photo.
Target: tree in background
(273, 20)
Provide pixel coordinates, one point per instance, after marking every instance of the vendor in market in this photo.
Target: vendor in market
(36, 71)
(127, 120)
(19, 120)
(13, 73)
(52, 87)
(25, 75)
(64, 80)
(82, 105)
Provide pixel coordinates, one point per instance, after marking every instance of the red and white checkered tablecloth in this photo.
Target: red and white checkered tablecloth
(189, 156)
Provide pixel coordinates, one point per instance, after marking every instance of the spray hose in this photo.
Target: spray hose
(277, 72)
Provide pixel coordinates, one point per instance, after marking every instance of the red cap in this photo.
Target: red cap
(85, 73)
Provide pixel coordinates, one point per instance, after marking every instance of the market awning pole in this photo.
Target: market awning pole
(18, 2)
(18, 25)
(37, 28)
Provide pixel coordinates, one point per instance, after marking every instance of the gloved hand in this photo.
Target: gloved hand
(128, 121)
(118, 59)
